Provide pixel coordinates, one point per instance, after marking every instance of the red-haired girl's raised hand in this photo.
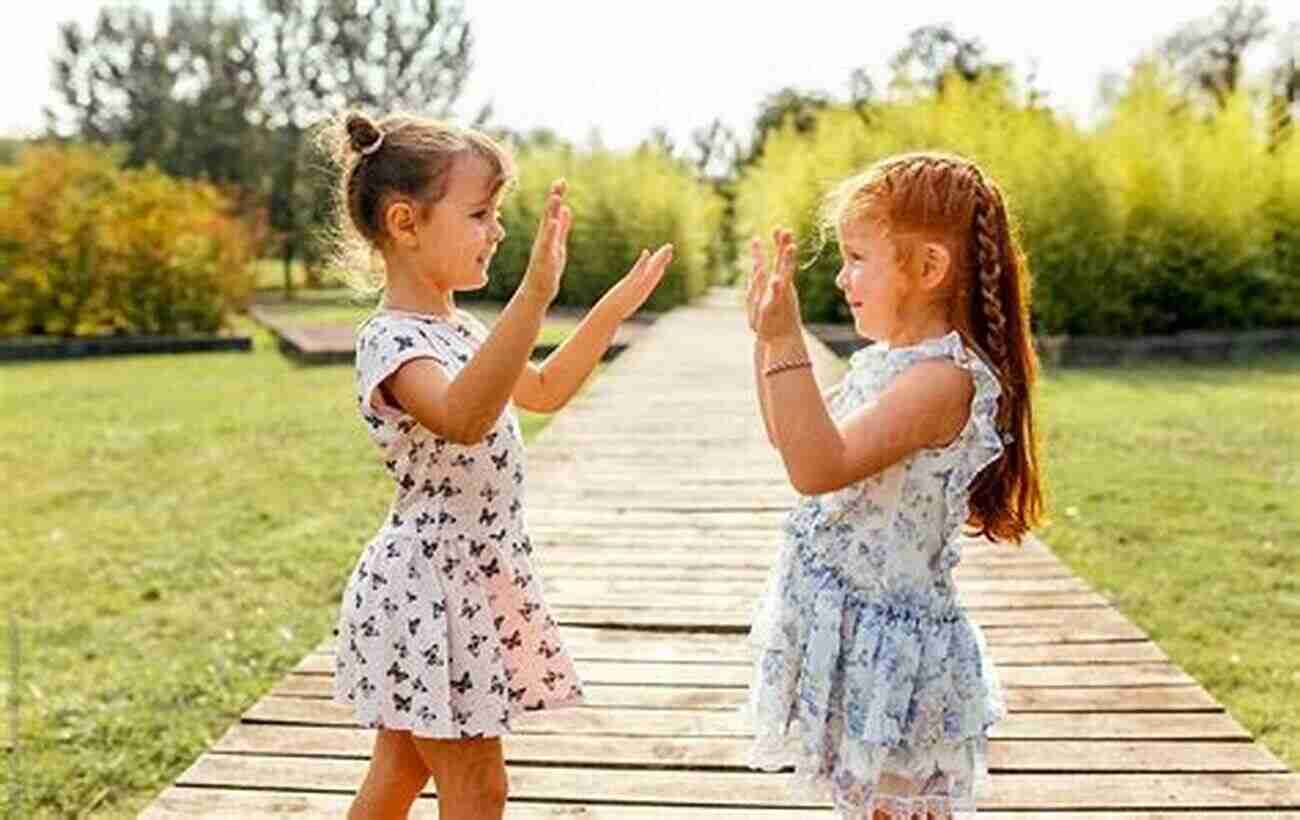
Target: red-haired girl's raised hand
(774, 302)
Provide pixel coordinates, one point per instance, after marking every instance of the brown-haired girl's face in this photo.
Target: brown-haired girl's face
(870, 277)
(462, 231)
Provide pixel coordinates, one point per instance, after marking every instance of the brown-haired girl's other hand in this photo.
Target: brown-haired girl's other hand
(776, 309)
(550, 246)
(630, 292)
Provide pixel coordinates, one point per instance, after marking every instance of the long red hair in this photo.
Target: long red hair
(939, 197)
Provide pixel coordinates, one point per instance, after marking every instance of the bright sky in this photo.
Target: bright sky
(626, 67)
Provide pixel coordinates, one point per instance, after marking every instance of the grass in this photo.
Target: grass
(335, 305)
(168, 554)
(1175, 491)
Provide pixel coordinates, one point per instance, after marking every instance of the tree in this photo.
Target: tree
(325, 55)
(1285, 86)
(799, 107)
(715, 149)
(229, 96)
(1208, 53)
(935, 52)
(176, 92)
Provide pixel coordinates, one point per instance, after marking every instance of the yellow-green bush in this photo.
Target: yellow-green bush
(87, 247)
(621, 203)
(1162, 220)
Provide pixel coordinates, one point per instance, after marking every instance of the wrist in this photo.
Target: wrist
(533, 301)
(789, 346)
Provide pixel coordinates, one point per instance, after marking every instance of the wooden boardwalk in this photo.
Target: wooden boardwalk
(654, 501)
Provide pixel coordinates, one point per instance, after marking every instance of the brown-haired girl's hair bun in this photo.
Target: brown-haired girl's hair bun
(363, 136)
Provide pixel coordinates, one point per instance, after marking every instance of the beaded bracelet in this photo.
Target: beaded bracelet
(786, 365)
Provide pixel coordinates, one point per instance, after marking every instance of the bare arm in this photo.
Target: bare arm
(925, 405)
(464, 409)
(547, 388)
(760, 383)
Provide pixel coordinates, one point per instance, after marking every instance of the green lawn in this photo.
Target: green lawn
(176, 537)
(1175, 491)
(337, 305)
(179, 528)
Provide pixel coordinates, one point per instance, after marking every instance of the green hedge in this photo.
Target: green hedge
(621, 203)
(1163, 219)
(88, 248)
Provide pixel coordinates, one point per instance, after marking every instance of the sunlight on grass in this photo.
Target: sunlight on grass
(177, 540)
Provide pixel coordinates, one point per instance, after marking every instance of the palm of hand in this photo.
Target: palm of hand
(772, 301)
(636, 286)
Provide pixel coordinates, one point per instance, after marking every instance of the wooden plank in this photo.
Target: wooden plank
(185, 802)
(1082, 624)
(1217, 726)
(188, 802)
(1173, 698)
(730, 752)
(752, 588)
(738, 674)
(746, 789)
(609, 645)
(687, 601)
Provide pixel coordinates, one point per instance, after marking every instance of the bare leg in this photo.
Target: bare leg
(396, 776)
(470, 775)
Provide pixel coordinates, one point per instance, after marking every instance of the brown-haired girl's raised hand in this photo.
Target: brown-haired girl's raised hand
(549, 387)
(630, 292)
(550, 246)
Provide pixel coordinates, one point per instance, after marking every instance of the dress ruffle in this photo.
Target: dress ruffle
(981, 443)
(848, 688)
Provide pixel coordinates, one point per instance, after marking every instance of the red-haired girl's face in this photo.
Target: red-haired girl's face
(870, 277)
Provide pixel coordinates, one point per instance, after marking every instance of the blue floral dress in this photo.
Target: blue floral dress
(869, 679)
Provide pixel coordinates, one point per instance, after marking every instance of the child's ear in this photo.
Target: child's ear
(400, 222)
(935, 264)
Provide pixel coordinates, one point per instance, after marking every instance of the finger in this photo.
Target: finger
(759, 274)
(555, 198)
(566, 222)
(756, 249)
(663, 264)
(639, 266)
(659, 262)
(787, 260)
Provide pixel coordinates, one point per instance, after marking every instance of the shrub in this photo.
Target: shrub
(87, 247)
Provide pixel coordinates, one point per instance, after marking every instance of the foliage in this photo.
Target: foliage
(87, 247)
(1165, 219)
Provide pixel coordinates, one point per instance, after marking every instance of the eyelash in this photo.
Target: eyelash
(482, 214)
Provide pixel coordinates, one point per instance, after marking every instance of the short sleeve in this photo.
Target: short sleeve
(384, 345)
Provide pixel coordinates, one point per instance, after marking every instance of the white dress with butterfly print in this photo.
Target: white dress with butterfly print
(442, 628)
